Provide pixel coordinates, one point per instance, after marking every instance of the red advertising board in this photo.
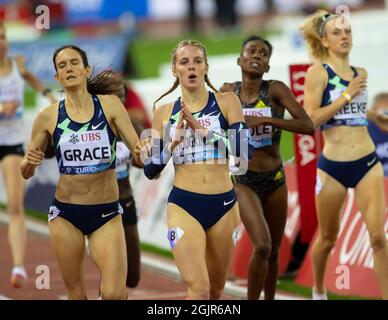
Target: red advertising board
(307, 149)
(350, 265)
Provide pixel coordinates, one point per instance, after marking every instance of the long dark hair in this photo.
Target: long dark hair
(104, 82)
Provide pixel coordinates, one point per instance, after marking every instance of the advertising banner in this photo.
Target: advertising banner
(103, 52)
(350, 264)
(307, 148)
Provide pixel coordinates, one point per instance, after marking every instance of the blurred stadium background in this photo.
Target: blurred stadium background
(136, 37)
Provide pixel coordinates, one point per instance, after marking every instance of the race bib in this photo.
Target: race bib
(123, 158)
(90, 148)
(355, 109)
(261, 135)
(194, 147)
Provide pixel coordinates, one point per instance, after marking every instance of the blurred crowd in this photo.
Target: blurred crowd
(227, 15)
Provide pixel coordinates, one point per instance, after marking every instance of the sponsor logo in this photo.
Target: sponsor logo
(369, 163)
(257, 112)
(293, 219)
(306, 148)
(205, 122)
(104, 215)
(90, 136)
(94, 127)
(278, 175)
(74, 138)
(261, 104)
(298, 78)
(229, 202)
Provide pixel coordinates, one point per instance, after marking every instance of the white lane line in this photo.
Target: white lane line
(37, 227)
(171, 270)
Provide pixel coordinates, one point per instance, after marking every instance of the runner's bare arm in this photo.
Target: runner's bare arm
(227, 87)
(156, 152)
(315, 83)
(39, 139)
(121, 122)
(300, 122)
(230, 106)
(32, 80)
(238, 133)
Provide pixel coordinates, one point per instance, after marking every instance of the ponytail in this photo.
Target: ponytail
(105, 82)
(313, 29)
(174, 86)
(209, 83)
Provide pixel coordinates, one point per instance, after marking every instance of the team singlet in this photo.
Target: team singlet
(265, 135)
(354, 112)
(194, 147)
(84, 148)
(12, 89)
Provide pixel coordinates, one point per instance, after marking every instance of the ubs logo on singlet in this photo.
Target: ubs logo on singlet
(205, 122)
(73, 139)
(85, 137)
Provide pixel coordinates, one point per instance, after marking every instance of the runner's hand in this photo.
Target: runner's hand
(143, 150)
(358, 84)
(253, 121)
(192, 122)
(35, 157)
(179, 132)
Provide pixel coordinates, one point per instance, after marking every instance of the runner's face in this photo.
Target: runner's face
(254, 58)
(381, 106)
(3, 43)
(71, 71)
(190, 66)
(338, 36)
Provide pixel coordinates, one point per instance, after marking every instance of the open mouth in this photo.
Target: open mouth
(345, 45)
(70, 77)
(192, 77)
(255, 64)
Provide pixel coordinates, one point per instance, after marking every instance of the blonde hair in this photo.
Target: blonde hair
(381, 96)
(313, 29)
(180, 45)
